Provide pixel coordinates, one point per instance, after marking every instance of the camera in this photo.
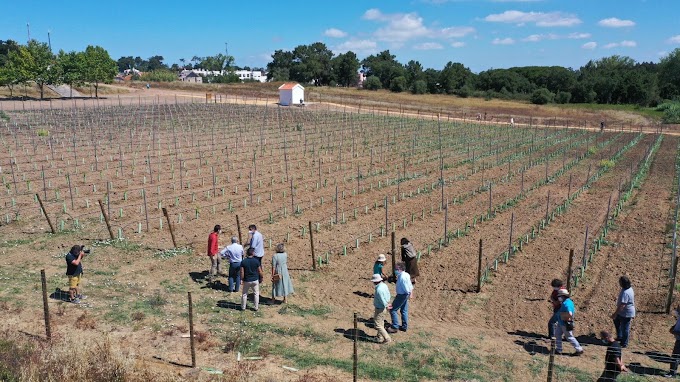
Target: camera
(86, 251)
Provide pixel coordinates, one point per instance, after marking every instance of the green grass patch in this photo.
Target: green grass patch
(170, 253)
(122, 244)
(649, 112)
(14, 243)
(316, 310)
(173, 286)
(565, 373)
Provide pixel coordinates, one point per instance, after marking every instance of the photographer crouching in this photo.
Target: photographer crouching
(74, 271)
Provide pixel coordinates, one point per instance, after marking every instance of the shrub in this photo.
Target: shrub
(563, 97)
(398, 84)
(419, 87)
(372, 83)
(43, 132)
(542, 96)
(159, 76)
(671, 112)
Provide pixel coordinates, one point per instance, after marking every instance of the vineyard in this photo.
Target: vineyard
(493, 211)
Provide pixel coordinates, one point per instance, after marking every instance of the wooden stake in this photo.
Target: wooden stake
(42, 206)
(512, 222)
(551, 361)
(569, 270)
(238, 227)
(479, 268)
(191, 327)
(311, 244)
(46, 309)
(146, 210)
(355, 357)
(106, 219)
(172, 233)
(394, 256)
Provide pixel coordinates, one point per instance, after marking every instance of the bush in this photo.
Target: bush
(464, 92)
(671, 112)
(398, 84)
(419, 87)
(563, 97)
(372, 83)
(542, 96)
(159, 76)
(43, 133)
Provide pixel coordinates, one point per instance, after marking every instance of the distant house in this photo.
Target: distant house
(192, 77)
(255, 75)
(291, 94)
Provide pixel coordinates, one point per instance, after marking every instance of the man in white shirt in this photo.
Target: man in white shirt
(256, 242)
(234, 253)
(400, 303)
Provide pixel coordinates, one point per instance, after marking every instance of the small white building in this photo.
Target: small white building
(291, 94)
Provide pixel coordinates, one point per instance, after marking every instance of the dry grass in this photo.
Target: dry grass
(86, 321)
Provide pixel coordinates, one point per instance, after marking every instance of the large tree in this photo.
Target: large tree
(219, 62)
(99, 67)
(454, 77)
(72, 65)
(312, 63)
(42, 66)
(669, 75)
(345, 69)
(279, 67)
(384, 66)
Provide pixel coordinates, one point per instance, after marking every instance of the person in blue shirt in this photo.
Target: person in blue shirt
(256, 242)
(565, 322)
(400, 303)
(381, 302)
(379, 265)
(675, 355)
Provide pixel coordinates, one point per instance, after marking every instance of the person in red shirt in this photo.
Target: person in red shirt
(556, 285)
(213, 246)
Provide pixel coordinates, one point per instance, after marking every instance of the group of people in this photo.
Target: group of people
(406, 273)
(249, 271)
(561, 324)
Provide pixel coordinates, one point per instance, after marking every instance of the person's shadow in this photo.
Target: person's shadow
(61, 295)
(362, 336)
(637, 368)
(363, 294)
(228, 305)
(529, 342)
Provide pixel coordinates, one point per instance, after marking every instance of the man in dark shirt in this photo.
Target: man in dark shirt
(74, 271)
(613, 365)
(251, 274)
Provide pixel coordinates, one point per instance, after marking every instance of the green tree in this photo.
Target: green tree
(345, 68)
(99, 67)
(669, 75)
(279, 67)
(398, 84)
(72, 68)
(384, 66)
(17, 68)
(312, 63)
(372, 83)
(218, 62)
(454, 76)
(125, 63)
(5, 48)
(156, 63)
(419, 87)
(413, 71)
(42, 67)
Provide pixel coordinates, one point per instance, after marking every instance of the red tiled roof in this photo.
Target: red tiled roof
(288, 86)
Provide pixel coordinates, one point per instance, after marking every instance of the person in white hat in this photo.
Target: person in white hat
(381, 302)
(379, 265)
(565, 323)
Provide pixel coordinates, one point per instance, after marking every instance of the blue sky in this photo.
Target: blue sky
(481, 34)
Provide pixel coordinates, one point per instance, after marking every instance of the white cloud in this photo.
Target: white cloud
(663, 53)
(458, 44)
(401, 27)
(589, 45)
(674, 40)
(613, 22)
(623, 44)
(578, 36)
(503, 41)
(540, 37)
(373, 14)
(357, 46)
(456, 32)
(334, 32)
(541, 19)
(428, 46)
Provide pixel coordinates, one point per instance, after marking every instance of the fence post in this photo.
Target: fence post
(355, 358)
(172, 233)
(46, 308)
(571, 265)
(191, 330)
(106, 219)
(551, 361)
(479, 268)
(311, 243)
(42, 206)
(394, 255)
(512, 223)
(238, 227)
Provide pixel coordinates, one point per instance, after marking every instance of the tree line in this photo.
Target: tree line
(609, 80)
(35, 62)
